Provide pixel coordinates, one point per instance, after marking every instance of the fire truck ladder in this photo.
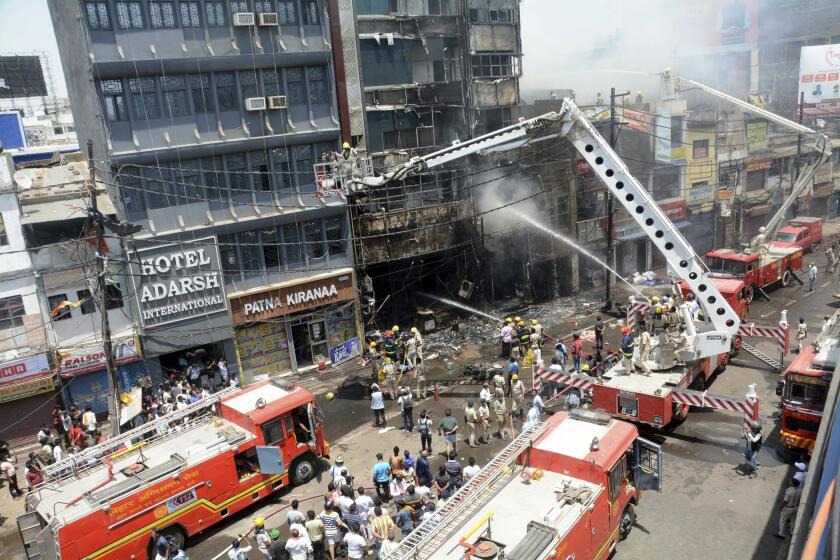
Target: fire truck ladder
(433, 533)
(761, 356)
(91, 458)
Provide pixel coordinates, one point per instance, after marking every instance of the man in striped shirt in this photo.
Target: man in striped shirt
(383, 527)
(329, 517)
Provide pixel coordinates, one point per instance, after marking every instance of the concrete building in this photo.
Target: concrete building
(207, 118)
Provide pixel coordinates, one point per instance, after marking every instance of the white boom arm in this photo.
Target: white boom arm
(721, 322)
(821, 144)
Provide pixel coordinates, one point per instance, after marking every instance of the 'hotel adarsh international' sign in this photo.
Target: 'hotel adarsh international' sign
(178, 282)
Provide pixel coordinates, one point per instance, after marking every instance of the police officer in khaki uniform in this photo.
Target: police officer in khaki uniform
(470, 419)
(500, 410)
(483, 420)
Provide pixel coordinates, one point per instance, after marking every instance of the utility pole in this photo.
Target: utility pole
(113, 381)
(798, 147)
(608, 306)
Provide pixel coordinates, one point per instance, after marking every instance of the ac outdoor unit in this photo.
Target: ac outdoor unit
(277, 102)
(241, 19)
(255, 104)
(268, 18)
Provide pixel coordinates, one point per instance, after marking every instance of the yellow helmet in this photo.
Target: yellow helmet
(414, 330)
(373, 344)
(387, 360)
(330, 396)
(345, 145)
(259, 522)
(521, 323)
(585, 367)
(655, 299)
(508, 320)
(658, 309)
(517, 319)
(396, 328)
(514, 377)
(533, 321)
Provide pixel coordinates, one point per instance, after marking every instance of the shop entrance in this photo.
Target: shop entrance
(197, 364)
(310, 342)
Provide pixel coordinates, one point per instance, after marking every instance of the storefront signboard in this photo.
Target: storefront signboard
(178, 282)
(24, 370)
(675, 210)
(345, 351)
(28, 388)
(75, 362)
(819, 80)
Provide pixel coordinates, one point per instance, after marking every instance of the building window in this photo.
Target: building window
(202, 94)
(755, 180)
(286, 12)
(215, 12)
(335, 240)
(162, 15)
(248, 83)
(4, 238)
(226, 91)
(227, 252)
(473, 16)
(676, 132)
(303, 165)
(494, 65)
(236, 7)
(97, 15)
(282, 169)
(87, 306)
(250, 252)
(155, 183)
(701, 190)
(295, 86)
(666, 182)
(114, 100)
(189, 14)
(144, 99)
(259, 167)
(700, 149)
(237, 176)
(54, 302)
(263, 6)
(271, 82)
(11, 312)
(314, 239)
(291, 243)
(434, 7)
(175, 101)
(132, 194)
(318, 94)
(272, 249)
(309, 12)
(500, 16)
(129, 15)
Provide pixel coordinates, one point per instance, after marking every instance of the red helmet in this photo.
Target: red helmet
(625, 330)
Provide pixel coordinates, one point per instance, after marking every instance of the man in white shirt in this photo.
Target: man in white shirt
(485, 394)
(239, 549)
(298, 546)
(471, 470)
(58, 453)
(364, 503)
(356, 544)
(89, 419)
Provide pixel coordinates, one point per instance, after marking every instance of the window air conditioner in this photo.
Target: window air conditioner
(255, 104)
(268, 18)
(243, 18)
(277, 102)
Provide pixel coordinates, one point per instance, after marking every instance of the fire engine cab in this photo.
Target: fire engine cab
(181, 474)
(564, 488)
(757, 270)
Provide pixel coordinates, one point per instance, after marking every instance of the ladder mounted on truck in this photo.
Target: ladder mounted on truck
(432, 533)
(91, 458)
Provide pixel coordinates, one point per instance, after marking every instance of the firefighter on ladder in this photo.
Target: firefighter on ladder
(628, 344)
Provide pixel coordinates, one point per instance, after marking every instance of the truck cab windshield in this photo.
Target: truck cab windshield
(786, 237)
(809, 394)
(726, 266)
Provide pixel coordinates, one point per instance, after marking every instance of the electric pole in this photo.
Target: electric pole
(608, 307)
(798, 148)
(113, 381)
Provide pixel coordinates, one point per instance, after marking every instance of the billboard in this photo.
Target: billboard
(22, 76)
(819, 80)
(12, 134)
(178, 282)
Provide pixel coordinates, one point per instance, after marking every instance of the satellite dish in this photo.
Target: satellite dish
(23, 180)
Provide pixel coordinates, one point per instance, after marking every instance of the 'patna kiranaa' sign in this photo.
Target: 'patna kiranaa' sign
(178, 282)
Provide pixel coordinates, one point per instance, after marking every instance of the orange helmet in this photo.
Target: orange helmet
(389, 333)
(625, 330)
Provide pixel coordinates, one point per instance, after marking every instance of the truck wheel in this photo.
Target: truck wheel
(678, 416)
(303, 470)
(173, 533)
(786, 278)
(628, 518)
(749, 294)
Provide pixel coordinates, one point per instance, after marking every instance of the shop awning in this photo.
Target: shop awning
(638, 233)
(59, 210)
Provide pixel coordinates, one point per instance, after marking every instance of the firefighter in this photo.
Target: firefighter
(500, 410)
(471, 419)
(644, 350)
(261, 536)
(483, 420)
(801, 334)
(680, 345)
(523, 334)
(389, 346)
(410, 345)
(419, 340)
(538, 328)
(517, 392)
(628, 344)
(830, 257)
(399, 344)
(390, 377)
(373, 356)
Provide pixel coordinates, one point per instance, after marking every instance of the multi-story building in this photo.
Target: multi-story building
(207, 118)
(433, 71)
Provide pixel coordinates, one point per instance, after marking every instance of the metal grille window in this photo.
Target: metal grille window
(238, 6)
(129, 15)
(263, 6)
(188, 182)
(131, 192)
(214, 181)
(291, 243)
(226, 91)
(303, 164)
(700, 149)
(97, 15)
(250, 252)
(114, 100)
(88, 306)
(282, 170)
(215, 12)
(617, 476)
(227, 252)
(259, 165)
(55, 301)
(202, 93)
(335, 240)
(237, 178)
(309, 12)
(144, 99)
(272, 249)
(271, 82)
(175, 101)
(494, 65)
(318, 93)
(286, 14)
(295, 86)
(501, 16)
(190, 14)
(156, 194)
(4, 238)
(434, 7)
(162, 15)
(248, 83)
(314, 239)
(11, 312)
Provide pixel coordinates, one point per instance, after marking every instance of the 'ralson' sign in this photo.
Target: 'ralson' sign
(291, 298)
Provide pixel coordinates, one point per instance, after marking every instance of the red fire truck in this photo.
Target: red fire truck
(757, 270)
(805, 386)
(181, 474)
(564, 488)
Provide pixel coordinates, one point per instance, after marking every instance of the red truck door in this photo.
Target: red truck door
(647, 471)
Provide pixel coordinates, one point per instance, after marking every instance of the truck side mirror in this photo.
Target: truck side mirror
(780, 388)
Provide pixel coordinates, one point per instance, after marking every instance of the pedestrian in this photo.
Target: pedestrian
(561, 354)
(377, 404)
(406, 403)
(363, 501)
(335, 470)
(483, 420)
(485, 394)
(449, 430)
(443, 484)
(315, 532)
(790, 503)
(500, 410)
(58, 424)
(10, 474)
(356, 544)
(826, 323)
(424, 427)
(382, 527)
(390, 377)
(408, 467)
(405, 520)
(277, 550)
(421, 386)
(644, 350)
(517, 391)
(395, 462)
(577, 351)
(345, 500)
(261, 536)
(599, 333)
(538, 403)
(397, 489)
(507, 337)
(381, 477)
(754, 442)
(423, 469)
(830, 257)
(331, 522)
(812, 276)
(628, 344)
(499, 379)
(293, 513)
(33, 475)
(43, 435)
(801, 334)
(470, 419)
(454, 470)
(801, 469)
(573, 399)
(353, 517)
(240, 548)
(89, 419)
(512, 369)
(471, 470)
(298, 545)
